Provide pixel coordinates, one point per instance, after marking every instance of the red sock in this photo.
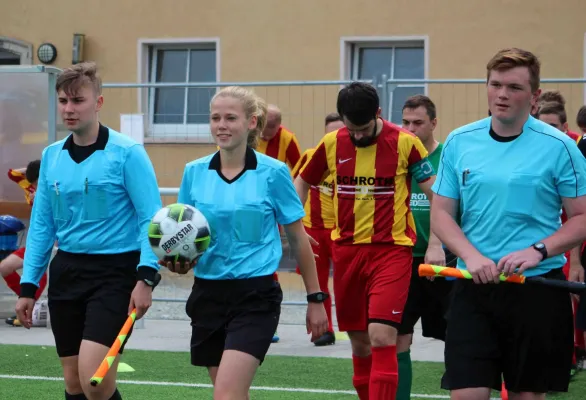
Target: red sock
(504, 393)
(42, 285)
(384, 377)
(361, 378)
(328, 307)
(13, 282)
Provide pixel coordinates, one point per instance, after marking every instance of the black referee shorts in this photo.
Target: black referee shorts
(88, 298)
(239, 314)
(524, 332)
(429, 301)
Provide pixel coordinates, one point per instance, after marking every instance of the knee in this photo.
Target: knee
(382, 335)
(224, 392)
(404, 342)
(72, 382)
(360, 343)
(99, 392)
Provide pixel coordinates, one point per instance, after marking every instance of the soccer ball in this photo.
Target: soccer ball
(179, 233)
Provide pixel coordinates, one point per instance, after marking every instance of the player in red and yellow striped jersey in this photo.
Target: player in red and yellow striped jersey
(278, 142)
(19, 177)
(373, 163)
(319, 221)
(27, 179)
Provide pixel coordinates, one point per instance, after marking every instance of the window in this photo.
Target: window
(181, 111)
(397, 60)
(15, 52)
(9, 58)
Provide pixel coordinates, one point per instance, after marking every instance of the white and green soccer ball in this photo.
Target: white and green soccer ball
(179, 233)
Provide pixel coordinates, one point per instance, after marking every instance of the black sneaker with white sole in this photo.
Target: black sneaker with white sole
(326, 339)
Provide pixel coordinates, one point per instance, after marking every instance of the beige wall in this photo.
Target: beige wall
(267, 40)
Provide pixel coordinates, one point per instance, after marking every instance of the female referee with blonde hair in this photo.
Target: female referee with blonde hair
(235, 303)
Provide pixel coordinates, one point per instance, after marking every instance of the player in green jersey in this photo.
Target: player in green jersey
(427, 299)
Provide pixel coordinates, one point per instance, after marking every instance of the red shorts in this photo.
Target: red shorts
(19, 253)
(371, 284)
(324, 251)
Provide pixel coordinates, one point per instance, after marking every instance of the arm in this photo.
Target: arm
(313, 171)
(573, 233)
(444, 206)
(443, 224)
(571, 185)
(141, 184)
(434, 242)
(297, 168)
(302, 189)
(423, 172)
(40, 238)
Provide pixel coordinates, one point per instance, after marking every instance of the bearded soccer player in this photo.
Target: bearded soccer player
(373, 162)
(319, 221)
(27, 179)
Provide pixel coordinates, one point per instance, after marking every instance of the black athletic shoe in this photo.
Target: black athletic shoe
(326, 339)
(13, 321)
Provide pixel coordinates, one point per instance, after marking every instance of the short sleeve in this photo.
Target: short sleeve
(571, 172)
(582, 145)
(184, 196)
(446, 182)
(316, 168)
(417, 163)
(284, 198)
(297, 168)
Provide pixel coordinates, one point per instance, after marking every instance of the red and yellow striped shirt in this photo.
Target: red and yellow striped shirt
(20, 179)
(319, 207)
(372, 184)
(283, 146)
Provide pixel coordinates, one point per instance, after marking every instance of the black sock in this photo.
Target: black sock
(80, 396)
(116, 396)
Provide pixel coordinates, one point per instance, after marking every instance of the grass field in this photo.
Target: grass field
(33, 373)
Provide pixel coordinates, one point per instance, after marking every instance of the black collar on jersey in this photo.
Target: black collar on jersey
(500, 138)
(100, 143)
(250, 162)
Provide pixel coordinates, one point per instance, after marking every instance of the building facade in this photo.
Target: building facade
(266, 40)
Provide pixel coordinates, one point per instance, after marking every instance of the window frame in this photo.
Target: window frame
(184, 133)
(350, 58)
(20, 48)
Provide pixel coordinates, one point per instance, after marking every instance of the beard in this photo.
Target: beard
(365, 141)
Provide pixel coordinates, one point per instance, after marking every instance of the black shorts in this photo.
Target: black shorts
(239, 314)
(88, 298)
(523, 332)
(429, 301)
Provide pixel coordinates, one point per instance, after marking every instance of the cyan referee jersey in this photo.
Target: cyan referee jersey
(510, 189)
(243, 214)
(103, 205)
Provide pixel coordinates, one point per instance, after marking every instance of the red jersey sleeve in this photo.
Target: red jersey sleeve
(299, 164)
(293, 152)
(316, 168)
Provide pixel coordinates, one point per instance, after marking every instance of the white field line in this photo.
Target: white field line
(207, 385)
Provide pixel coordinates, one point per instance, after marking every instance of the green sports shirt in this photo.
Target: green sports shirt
(420, 207)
